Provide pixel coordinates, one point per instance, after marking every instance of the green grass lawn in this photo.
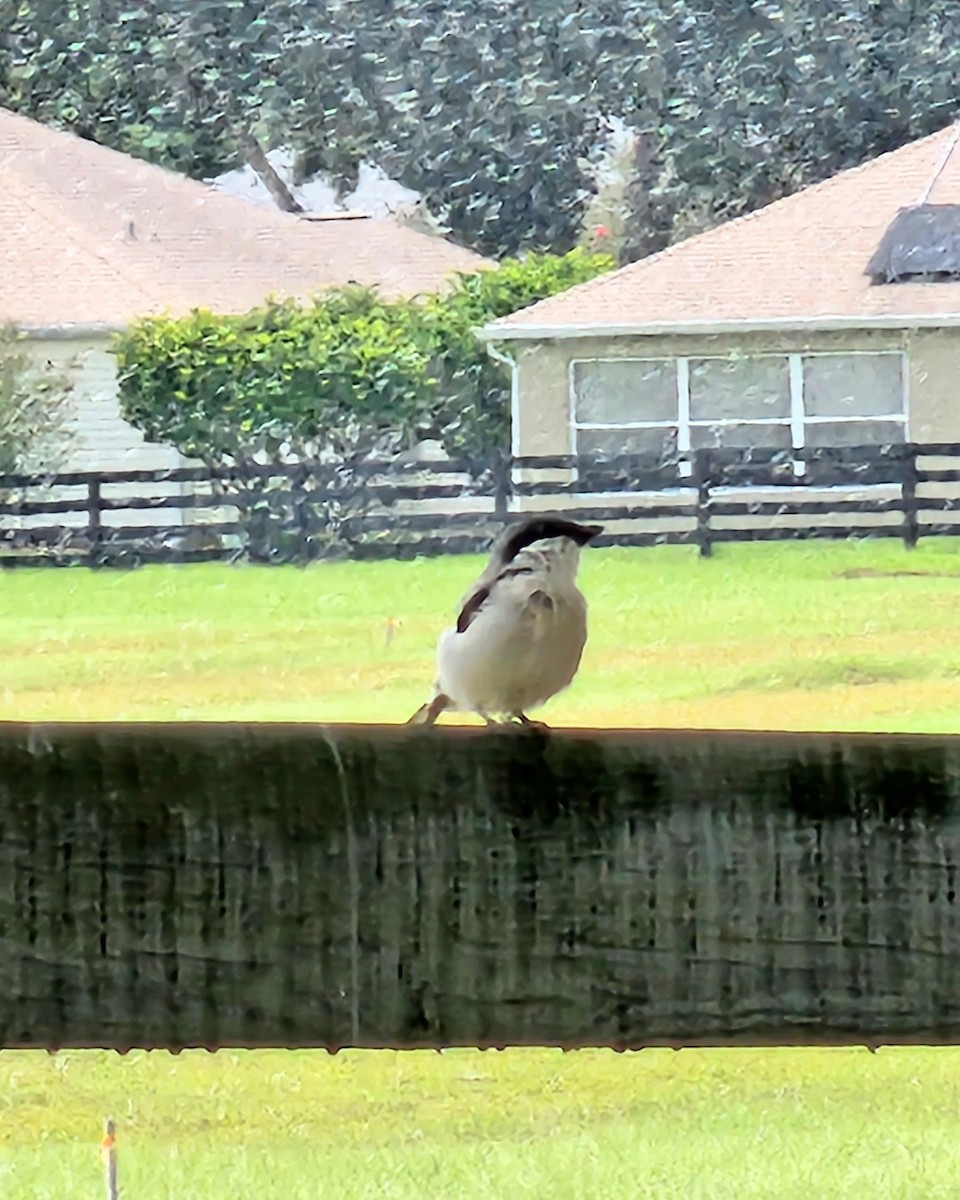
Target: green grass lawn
(792, 636)
(700, 1125)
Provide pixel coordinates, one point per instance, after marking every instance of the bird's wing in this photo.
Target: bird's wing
(471, 606)
(481, 592)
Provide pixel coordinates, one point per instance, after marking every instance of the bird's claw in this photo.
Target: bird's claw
(515, 721)
(531, 726)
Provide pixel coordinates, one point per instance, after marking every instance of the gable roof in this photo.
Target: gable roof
(799, 262)
(94, 237)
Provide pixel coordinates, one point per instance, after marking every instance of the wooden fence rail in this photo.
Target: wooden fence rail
(228, 885)
(376, 510)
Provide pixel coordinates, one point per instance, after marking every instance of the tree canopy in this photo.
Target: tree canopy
(493, 109)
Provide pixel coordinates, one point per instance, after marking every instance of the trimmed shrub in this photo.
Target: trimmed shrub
(344, 374)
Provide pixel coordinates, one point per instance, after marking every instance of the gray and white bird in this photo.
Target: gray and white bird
(522, 626)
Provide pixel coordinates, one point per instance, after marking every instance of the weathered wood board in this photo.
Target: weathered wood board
(231, 885)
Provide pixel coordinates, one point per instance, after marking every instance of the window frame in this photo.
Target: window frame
(797, 421)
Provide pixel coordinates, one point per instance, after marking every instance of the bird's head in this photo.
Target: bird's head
(555, 538)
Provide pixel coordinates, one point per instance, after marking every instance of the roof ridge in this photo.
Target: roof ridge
(832, 180)
(120, 156)
(941, 165)
(203, 189)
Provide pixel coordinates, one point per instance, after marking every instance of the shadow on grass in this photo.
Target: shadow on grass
(790, 675)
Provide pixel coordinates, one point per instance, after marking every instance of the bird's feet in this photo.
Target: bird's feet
(427, 714)
(513, 720)
(531, 726)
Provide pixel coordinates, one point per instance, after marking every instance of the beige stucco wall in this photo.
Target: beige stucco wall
(543, 374)
(934, 362)
(99, 438)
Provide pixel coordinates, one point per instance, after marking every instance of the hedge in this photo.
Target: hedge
(345, 371)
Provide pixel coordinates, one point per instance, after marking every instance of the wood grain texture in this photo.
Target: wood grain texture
(181, 885)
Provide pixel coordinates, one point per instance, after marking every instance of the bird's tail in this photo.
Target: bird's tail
(427, 713)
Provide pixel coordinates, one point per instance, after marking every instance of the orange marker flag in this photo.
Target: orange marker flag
(108, 1153)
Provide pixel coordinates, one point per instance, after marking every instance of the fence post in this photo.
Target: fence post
(908, 493)
(702, 471)
(94, 518)
(108, 1151)
(298, 498)
(503, 485)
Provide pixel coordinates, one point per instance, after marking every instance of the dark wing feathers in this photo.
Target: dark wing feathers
(471, 607)
(478, 597)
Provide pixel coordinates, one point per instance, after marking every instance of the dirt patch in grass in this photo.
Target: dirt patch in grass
(873, 573)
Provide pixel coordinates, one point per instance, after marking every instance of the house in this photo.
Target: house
(830, 317)
(91, 238)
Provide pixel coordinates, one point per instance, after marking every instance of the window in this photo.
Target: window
(739, 402)
(847, 397)
(775, 400)
(625, 391)
(624, 405)
(852, 385)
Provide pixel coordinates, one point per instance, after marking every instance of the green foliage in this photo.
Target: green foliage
(485, 295)
(34, 409)
(234, 387)
(494, 111)
(472, 414)
(344, 374)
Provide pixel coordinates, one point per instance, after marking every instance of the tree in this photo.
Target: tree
(185, 84)
(35, 410)
(340, 377)
(493, 109)
(756, 102)
(327, 386)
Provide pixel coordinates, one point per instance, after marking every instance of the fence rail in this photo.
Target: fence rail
(300, 512)
(303, 885)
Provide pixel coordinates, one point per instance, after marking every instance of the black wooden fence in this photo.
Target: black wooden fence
(379, 510)
(229, 885)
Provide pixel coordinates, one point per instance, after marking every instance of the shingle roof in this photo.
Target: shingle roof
(802, 258)
(92, 236)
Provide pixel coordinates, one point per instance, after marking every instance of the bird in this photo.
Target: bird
(521, 629)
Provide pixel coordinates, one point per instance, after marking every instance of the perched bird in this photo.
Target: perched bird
(521, 629)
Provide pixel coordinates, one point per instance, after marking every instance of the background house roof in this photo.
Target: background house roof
(800, 259)
(92, 236)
